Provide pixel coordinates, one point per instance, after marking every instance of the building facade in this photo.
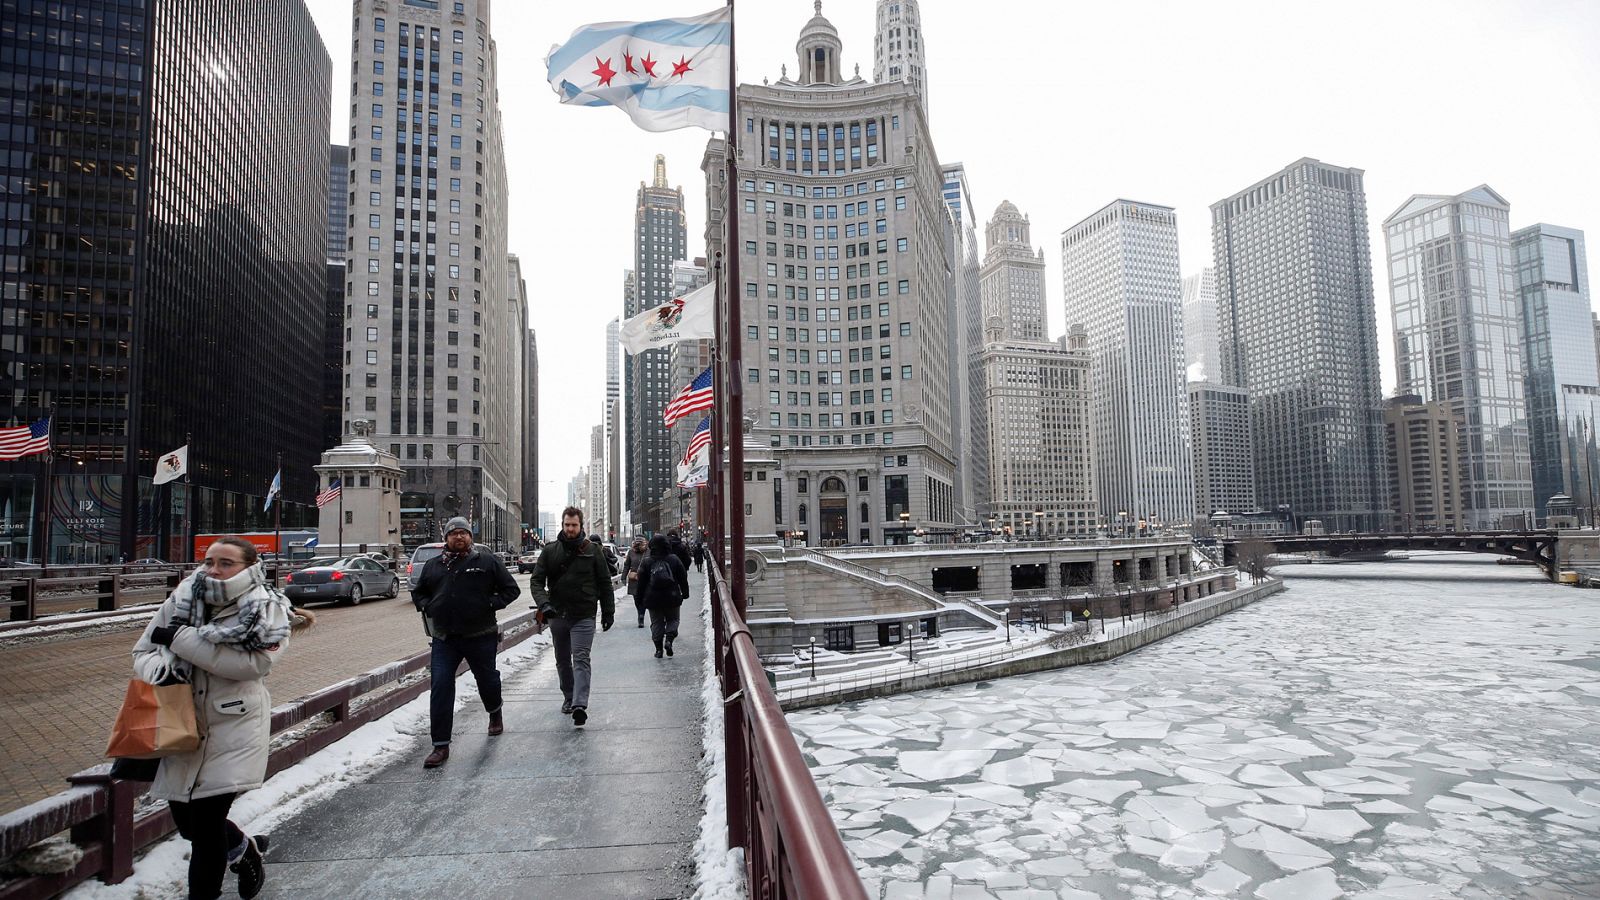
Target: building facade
(1202, 349)
(1560, 360)
(333, 313)
(689, 359)
(968, 417)
(842, 279)
(613, 424)
(1119, 270)
(1041, 440)
(1298, 331)
(1424, 455)
(1458, 340)
(427, 281)
(147, 252)
(897, 51)
(660, 239)
(1224, 467)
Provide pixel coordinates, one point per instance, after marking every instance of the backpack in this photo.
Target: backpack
(662, 585)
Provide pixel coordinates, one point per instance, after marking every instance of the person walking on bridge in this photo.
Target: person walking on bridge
(637, 554)
(458, 595)
(664, 582)
(570, 580)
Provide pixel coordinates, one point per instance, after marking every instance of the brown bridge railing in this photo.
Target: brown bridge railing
(99, 810)
(792, 847)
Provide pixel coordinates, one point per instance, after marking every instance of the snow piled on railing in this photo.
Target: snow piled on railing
(719, 871)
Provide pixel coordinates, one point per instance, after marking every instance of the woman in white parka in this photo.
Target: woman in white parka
(221, 631)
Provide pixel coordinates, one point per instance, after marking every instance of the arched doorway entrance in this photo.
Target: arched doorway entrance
(833, 513)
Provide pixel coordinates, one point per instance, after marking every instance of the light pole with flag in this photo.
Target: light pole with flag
(277, 513)
(668, 74)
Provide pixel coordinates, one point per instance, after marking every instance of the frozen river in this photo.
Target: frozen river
(1410, 729)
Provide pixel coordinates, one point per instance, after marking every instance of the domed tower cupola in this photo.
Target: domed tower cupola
(819, 48)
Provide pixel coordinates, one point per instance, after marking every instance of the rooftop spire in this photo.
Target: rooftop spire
(661, 166)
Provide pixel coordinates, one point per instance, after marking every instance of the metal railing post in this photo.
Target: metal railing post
(113, 828)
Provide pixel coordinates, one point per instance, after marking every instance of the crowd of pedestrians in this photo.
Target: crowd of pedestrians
(225, 626)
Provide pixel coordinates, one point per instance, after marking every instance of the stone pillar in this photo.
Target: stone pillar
(1052, 576)
(994, 578)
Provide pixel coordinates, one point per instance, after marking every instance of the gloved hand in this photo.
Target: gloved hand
(606, 622)
(162, 635)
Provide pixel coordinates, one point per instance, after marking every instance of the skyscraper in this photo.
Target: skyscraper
(427, 280)
(613, 424)
(1202, 351)
(333, 311)
(1219, 426)
(1561, 366)
(1424, 451)
(1458, 340)
(1119, 271)
(1298, 332)
(530, 483)
(660, 238)
(843, 268)
(1013, 277)
(151, 255)
(968, 405)
(897, 52)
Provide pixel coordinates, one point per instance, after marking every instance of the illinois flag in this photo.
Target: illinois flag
(665, 74)
(172, 466)
(691, 317)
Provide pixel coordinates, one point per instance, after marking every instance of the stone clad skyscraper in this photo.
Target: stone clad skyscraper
(1119, 272)
(1458, 340)
(1012, 280)
(660, 235)
(968, 416)
(1298, 333)
(843, 265)
(428, 279)
(897, 52)
(1562, 380)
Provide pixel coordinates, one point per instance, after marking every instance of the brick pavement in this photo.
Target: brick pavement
(57, 699)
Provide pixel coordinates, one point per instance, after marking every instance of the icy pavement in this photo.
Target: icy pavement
(1416, 729)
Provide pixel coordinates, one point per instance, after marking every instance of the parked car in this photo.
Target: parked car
(149, 561)
(420, 557)
(526, 561)
(349, 580)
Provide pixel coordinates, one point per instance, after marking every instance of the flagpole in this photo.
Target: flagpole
(49, 489)
(277, 513)
(734, 377)
(194, 496)
(341, 510)
(715, 501)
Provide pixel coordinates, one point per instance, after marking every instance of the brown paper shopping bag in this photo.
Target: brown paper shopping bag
(154, 722)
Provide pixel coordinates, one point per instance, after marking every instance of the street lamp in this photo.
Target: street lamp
(905, 527)
(813, 658)
(1038, 515)
(1122, 523)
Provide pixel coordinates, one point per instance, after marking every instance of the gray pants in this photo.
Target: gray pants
(572, 639)
(664, 624)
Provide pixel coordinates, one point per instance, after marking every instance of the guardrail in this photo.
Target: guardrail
(22, 597)
(775, 812)
(99, 809)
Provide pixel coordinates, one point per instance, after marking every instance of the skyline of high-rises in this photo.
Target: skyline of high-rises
(660, 234)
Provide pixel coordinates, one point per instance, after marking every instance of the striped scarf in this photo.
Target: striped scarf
(263, 620)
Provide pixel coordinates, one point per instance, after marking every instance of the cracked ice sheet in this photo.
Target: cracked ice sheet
(1323, 679)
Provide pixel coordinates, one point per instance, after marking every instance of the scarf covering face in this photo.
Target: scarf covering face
(451, 557)
(264, 617)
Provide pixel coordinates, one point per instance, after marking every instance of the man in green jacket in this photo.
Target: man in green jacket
(579, 580)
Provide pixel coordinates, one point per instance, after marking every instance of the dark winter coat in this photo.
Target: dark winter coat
(572, 591)
(461, 600)
(678, 550)
(634, 558)
(655, 595)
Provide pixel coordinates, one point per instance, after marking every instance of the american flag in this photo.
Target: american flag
(329, 495)
(25, 440)
(692, 399)
(702, 438)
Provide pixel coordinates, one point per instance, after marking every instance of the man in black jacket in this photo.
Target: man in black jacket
(458, 594)
(570, 580)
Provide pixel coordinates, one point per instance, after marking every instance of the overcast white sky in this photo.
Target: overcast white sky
(1061, 108)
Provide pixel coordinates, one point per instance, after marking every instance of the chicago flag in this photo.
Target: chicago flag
(665, 74)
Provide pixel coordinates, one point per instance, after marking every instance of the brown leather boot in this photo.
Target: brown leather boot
(437, 758)
(496, 723)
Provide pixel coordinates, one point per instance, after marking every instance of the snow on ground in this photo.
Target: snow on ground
(1419, 729)
(163, 870)
(719, 871)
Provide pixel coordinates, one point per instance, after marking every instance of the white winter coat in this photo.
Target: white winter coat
(231, 704)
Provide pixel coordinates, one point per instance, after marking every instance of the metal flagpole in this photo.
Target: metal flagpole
(340, 551)
(277, 513)
(734, 350)
(48, 518)
(194, 497)
(715, 486)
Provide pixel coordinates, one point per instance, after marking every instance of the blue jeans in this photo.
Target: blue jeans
(572, 640)
(448, 652)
